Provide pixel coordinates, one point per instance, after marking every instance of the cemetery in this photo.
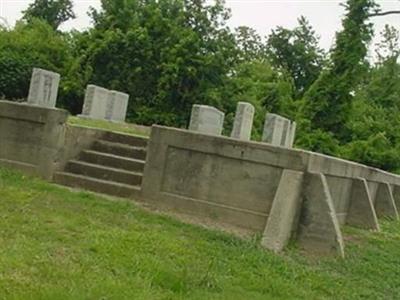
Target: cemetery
(198, 149)
(267, 188)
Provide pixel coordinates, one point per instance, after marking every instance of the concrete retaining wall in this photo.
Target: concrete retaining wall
(37, 140)
(247, 185)
(225, 179)
(77, 139)
(31, 138)
(278, 192)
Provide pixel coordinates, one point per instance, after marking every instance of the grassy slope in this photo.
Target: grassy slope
(105, 125)
(57, 244)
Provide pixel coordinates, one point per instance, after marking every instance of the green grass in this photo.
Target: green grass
(106, 125)
(58, 244)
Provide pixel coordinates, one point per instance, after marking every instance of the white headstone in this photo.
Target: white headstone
(286, 133)
(279, 131)
(117, 106)
(206, 119)
(96, 102)
(273, 129)
(292, 134)
(43, 89)
(243, 123)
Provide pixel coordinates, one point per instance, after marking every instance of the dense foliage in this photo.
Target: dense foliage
(54, 12)
(171, 54)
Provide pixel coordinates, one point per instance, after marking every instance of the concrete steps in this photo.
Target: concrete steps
(104, 173)
(120, 149)
(113, 165)
(132, 140)
(113, 161)
(96, 185)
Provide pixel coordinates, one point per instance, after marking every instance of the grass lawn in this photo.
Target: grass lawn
(58, 244)
(106, 125)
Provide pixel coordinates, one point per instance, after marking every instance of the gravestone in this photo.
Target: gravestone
(206, 119)
(243, 121)
(95, 103)
(273, 129)
(279, 131)
(285, 139)
(292, 135)
(117, 106)
(43, 88)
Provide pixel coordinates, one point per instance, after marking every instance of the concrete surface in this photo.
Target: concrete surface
(284, 214)
(384, 202)
(246, 185)
(31, 137)
(319, 229)
(361, 212)
(230, 180)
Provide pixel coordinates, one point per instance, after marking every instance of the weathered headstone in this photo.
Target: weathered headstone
(43, 89)
(96, 102)
(273, 129)
(206, 119)
(285, 139)
(279, 131)
(243, 121)
(117, 106)
(292, 135)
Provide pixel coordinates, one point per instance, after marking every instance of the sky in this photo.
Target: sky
(262, 15)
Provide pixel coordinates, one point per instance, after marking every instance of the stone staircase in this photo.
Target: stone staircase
(113, 165)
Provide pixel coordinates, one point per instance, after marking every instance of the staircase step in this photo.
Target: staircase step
(103, 172)
(119, 149)
(111, 160)
(133, 140)
(96, 185)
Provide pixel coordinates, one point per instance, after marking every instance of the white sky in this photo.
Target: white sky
(262, 15)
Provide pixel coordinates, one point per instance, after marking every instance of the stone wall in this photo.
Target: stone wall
(283, 193)
(77, 139)
(222, 178)
(31, 137)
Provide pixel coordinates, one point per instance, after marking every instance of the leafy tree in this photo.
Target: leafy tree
(328, 101)
(54, 12)
(297, 51)
(375, 122)
(167, 55)
(26, 47)
(388, 49)
(249, 44)
(258, 83)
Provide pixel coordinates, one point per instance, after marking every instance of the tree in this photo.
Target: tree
(167, 55)
(25, 47)
(54, 12)
(388, 49)
(264, 87)
(249, 44)
(328, 101)
(297, 51)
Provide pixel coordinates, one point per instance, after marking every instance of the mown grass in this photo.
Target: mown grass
(107, 125)
(58, 244)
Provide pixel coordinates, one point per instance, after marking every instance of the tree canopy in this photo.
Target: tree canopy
(54, 12)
